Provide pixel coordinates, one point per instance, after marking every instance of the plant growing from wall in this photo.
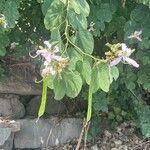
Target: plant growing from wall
(83, 43)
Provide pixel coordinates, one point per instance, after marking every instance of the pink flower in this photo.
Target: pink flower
(124, 57)
(48, 71)
(116, 61)
(50, 58)
(131, 62)
(48, 54)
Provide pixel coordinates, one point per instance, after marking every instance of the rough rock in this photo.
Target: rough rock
(12, 108)
(12, 125)
(45, 133)
(15, 86)
(10, 96)
(4, 135)
(7, 129)
(52, 106)
(8, 145)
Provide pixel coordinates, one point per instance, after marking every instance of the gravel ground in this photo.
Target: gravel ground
(123, 138)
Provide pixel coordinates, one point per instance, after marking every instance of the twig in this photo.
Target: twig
(86, 133)
(81, 134)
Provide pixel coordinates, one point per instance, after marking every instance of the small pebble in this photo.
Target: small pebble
(123, 147)
(114, 149)
(94, 147)
(107, 134)
(118, 143)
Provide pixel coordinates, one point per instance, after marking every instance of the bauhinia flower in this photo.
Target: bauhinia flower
(53, 62)
(123, 56)
(136, 35)
(48, 71)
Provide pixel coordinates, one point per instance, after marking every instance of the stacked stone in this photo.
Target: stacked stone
(20, 129)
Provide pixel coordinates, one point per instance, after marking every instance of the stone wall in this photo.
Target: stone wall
(20, 129)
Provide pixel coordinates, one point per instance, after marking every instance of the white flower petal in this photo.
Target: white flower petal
(48, 71)
(38, 52)
(115, 61)
(47, 44)
(131, 62)
(56, 49)
(126, 51)
(59, 58)
(138, 33)
(46, 63)
(138, 38)
(123, 46)
(52, 71)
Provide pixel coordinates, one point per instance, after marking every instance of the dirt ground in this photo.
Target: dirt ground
(123, 138)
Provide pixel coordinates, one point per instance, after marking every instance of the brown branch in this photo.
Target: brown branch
(85, 125)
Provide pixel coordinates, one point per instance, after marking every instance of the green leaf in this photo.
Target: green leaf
(2, 73)
(73, 83)
(114, 72)
(117, 110)
(44, 97)
(64, 1)
(116, 26)
(85, 41)
(69, 83)
(77, 21)
(2, 3)
(45, 6)
(143, 112)
(95, 79)
(104, 78)
(104, 13)
(139, 21)
(2, 51)
(11, 13)
(144, 78)
(80, 7)
(95, 127)
(50, 83)
(111, 116)
(74, 57)
(3, 42)
(145, 2)
(55, 36)
(100, 102)
(59, 88)
(101, 77)
(130, 85)
(85, 70)
(75, 6)
(54, 15)
(113, 5)
(100, 13)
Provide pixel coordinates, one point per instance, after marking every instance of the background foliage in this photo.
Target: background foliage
(31, 22)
